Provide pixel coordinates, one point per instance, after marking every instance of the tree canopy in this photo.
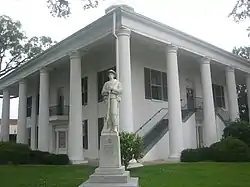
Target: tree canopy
(15, 47)
(62, 8)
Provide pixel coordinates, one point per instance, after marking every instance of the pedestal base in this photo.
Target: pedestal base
(110, 173)
(132, 182)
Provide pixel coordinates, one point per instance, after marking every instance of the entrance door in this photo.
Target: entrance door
(61, 142)
(190, 98)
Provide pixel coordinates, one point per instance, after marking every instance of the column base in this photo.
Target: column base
(174, 158)
(77, 162)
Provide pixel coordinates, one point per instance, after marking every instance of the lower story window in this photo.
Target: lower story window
(62, 139)
(29, 136)
(85, 134)
(100, 127)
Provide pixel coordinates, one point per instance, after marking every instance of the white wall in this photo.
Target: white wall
(189, 133)
(143, 109)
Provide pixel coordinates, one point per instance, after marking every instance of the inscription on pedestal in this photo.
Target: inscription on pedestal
(110, 152)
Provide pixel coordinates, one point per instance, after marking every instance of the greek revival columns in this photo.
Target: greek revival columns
(5, 116)
(174, 104)
(232, 94)
(210, 132)
(126, 107)
(43, 119)
(22, 113)
(75, 148)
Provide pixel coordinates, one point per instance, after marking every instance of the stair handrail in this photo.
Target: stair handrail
(152, 117)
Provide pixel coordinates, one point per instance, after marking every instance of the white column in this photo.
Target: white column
(43, 118)
(174, 104)
(33, 121)
(248, 93)
(126, 107)
(232, 94)
(75, 147)
(22, 114)
(210, 132)
(5, 116)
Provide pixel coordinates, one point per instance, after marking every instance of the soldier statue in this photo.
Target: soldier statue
(111, 92)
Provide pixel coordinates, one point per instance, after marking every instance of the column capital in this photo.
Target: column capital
(22, 81)
(75, 54)
(230, 69)
(205, 60)
(171, 48)
(123, 31)
(247, 75)
(44, 70)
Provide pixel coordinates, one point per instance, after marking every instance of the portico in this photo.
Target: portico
(156, 67)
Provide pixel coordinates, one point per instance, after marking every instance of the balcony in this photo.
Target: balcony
(59, 113)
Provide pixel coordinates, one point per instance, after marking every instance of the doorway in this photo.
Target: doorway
(61, 141)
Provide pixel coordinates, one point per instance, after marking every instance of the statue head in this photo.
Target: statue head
(111, 74)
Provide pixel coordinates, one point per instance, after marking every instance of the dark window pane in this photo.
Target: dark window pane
(165, 86)
(147, 83)
(29, 106)
(100, 127)
(85, 91)
(155, 77)
(85, 134)
(157, 92)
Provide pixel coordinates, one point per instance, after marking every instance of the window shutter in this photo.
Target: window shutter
(165, 86)
(147, 83)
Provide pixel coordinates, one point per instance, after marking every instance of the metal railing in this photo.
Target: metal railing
(151, 118)
(59, 110)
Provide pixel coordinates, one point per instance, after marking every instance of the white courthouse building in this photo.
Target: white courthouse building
(178, 91)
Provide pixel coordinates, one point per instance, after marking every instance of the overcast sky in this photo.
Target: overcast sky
(205, 19)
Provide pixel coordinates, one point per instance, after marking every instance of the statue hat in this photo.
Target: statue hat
(112, 71)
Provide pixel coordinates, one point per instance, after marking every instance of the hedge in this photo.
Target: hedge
(13, 153)
(227, 150)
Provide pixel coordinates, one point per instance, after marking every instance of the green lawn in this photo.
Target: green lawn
(171, 175)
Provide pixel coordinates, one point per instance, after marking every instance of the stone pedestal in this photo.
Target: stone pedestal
(110, 173)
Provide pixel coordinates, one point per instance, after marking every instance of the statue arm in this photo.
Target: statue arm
(118, 89)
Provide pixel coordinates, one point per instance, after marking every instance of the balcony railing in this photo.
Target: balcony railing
(59, 110)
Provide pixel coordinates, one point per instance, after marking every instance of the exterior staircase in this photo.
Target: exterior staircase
(158, 129)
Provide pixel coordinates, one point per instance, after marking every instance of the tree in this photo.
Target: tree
(241, 88)
(15, 47)
(61, 8)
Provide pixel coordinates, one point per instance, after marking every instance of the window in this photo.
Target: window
(102, 77)
(29, 106)
(155, 84)
(37, 104)
(62, 139)
(85, 134)
(218, 93)
(100, 127)
(85, 91)
(29, 137)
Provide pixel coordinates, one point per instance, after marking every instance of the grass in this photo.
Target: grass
(171, 175)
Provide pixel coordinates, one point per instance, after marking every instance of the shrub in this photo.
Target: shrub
(13, 153)
(131, 147)
(196, 155)
(231, 149)
(238, 129)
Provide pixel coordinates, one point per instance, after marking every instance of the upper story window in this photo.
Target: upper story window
(219, 96)
(102, 77)
(85, 91)
(29, 106)
(155, 84)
